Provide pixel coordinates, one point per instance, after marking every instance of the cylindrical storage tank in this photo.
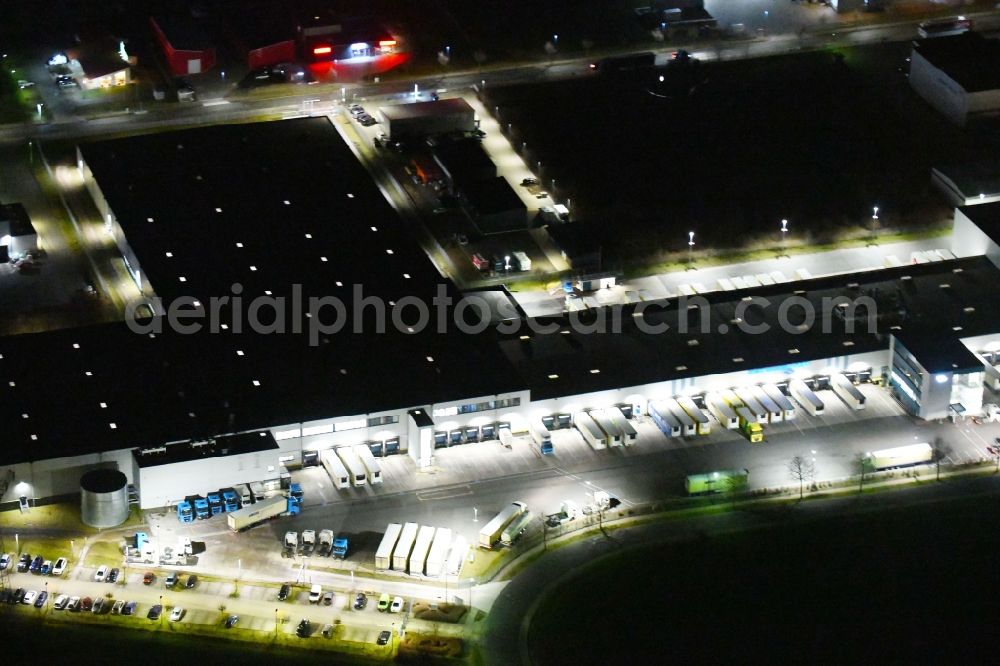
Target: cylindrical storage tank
(104, 498)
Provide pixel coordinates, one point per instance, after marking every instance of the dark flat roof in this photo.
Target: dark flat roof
(17, 217)
(969, 59)
(971, 180)
(217, 447)
(465, 161)
(174, 386)
(493, 196)
(183, 33)
(986, 217)
(440, 107)
(920, 306)
(939, 353)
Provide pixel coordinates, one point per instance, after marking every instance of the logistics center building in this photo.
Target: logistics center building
(169, 406)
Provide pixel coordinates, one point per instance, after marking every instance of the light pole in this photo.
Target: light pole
(690, 249)
(160, 618)
(784, 233)
(275, 622)
(17, 544)
(475, 514)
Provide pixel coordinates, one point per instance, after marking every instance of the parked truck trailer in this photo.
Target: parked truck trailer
(726, 480)
(489, 535)
(437, 557)
(338, 473)
(383, 556)
(900, 456)
(255, 514)
(368, 461)
(401, 554)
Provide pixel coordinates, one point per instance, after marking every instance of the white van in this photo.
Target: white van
(315, 594)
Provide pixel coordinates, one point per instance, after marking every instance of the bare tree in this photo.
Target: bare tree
(802, 470)
(939, 453)
(862, 466)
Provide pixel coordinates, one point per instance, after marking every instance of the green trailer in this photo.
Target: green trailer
(722, 481)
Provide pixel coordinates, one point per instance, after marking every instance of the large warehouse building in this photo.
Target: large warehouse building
(959, 76)
(180, 411)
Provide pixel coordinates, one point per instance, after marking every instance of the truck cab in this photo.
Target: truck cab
(308, 541)
(230, 502)
(215, 503)
(291, 541)
(325, 542)
(340, 545)
(184, 512)
(295, 492)
(201, 510)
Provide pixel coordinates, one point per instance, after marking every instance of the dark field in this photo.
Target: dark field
(908, 586)
(729, 149)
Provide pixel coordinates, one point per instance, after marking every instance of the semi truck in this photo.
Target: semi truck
(490, 533)
(308, 542)
(357, 471)
(521, 260)
(215, 503)
(900, 456)
(325, 542)
(338, 473)
(847, 391)
(542, 438)
(437, 556)
(201, 510)
(664, 419)
(592, 434)
(230, 501)
(185, 513)
(383, 556)
(727, 480)
(255, 514)
(401, 554)
(805, 397)
(722, 411)
(291, 543)
(340, 547)
(569, 510)
(701, 419)
(749, 425)
(368, 461)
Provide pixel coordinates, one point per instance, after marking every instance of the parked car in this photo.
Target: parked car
(61, 602)
(128, 608)
(384, 601)
(86, 604)
(528, 182)
(4, 561)
(36, 565)
(148, 578)
(154, 612)
(29, 597)
(7, 595)
(24, 562)
(24, 83)
(73, 604)
(315, 593)
(327, 630)
(117, 608)
(231, 621)
(113, 575)
(397, 605)
(360, 601)
(99, 604)
(283, 592)
(59, 567)
(176, 614)
(42, 597)
(171, 579)
(383, 638)
(19, 595)
(101, 574)
(303, 630)
(480, 262)
(192, 582)
(46, 568)
(328, 598)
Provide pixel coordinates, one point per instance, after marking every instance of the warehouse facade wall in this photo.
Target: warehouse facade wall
(59, 476)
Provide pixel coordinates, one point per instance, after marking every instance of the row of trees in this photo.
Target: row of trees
(802, 469)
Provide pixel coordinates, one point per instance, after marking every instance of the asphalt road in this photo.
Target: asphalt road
(503, 636)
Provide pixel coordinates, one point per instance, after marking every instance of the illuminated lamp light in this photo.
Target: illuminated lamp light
(322, 50)
(387, 42)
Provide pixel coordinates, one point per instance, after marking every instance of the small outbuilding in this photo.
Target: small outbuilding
(420, 119)
(17, 233)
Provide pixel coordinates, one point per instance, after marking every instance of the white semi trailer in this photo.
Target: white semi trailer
(847, 391)
(371, 465)
(590, 431)
(775, 394)
(489, 535)
(401, 554)
(357, 471)
(338, 473)
(805, 397)
(383, 556)
(701, 419)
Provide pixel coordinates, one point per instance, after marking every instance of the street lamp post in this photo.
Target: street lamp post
(475, 514)
(690, 250)
(275, 622)
(784, 234)
(17, 544)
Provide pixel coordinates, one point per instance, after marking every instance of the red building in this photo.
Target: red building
(185, 46)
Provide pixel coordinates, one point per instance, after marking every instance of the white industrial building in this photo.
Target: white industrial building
(959, 75)
(181, 414)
